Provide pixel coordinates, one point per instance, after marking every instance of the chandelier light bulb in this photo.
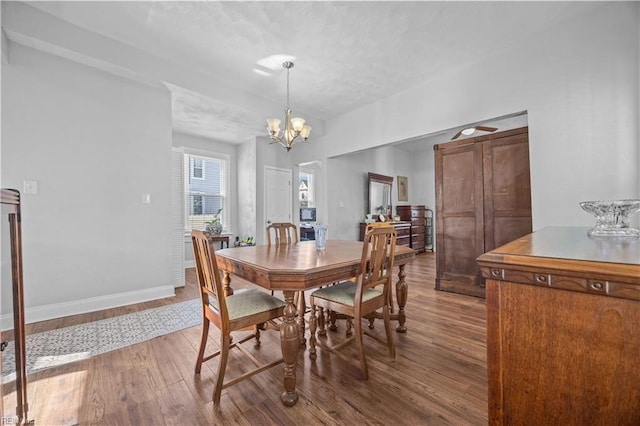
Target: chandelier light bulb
(297, 123)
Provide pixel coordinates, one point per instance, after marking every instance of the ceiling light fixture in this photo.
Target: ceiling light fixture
(295, 128)
(467, 131)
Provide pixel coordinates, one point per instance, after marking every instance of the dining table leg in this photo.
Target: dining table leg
(226, 284)
(402, 290)
(301, 307)
(290, 342)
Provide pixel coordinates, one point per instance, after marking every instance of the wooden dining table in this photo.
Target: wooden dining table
(298, 267)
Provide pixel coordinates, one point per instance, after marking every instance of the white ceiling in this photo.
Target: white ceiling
(346, 54)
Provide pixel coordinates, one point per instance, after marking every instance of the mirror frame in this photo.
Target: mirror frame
(385, 180)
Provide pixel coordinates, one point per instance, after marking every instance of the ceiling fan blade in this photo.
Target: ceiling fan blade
(486, 128)
(457, 135)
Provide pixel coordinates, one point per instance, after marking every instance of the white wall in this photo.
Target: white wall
(579, 83)
(94, 143)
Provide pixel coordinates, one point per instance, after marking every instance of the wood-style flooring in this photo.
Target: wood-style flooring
(437, 378)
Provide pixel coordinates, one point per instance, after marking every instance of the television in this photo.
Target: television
(307, 214)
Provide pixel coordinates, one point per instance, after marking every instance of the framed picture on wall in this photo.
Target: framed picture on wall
(403, 188)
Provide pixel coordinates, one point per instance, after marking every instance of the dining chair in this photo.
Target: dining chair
(367, 295)
(245, 309)
(283, 233)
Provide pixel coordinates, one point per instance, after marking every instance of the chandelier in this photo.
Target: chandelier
(294, 128)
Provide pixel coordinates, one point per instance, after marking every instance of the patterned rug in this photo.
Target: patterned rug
(69, 344)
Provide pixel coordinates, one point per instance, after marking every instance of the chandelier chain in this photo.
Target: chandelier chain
(288, 104)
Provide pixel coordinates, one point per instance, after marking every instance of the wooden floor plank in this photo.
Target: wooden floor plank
(437, 378)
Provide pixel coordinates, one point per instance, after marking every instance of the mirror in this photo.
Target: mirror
(379, 195)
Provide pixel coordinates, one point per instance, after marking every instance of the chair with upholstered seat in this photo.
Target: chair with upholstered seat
(244, 310)
(283, 233)
(367, 295)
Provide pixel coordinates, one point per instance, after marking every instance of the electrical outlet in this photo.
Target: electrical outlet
(30, 186)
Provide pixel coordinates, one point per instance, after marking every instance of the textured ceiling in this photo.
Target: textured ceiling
(346, 54)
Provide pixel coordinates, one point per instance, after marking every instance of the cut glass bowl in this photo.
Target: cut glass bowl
(612, 217)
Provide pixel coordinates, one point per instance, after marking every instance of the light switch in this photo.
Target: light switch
(145, 198)
(341, 204)
(30, 186)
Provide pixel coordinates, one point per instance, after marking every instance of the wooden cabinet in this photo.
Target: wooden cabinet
(563, 329)
(403, 230)
(415, 215)
(483, 200)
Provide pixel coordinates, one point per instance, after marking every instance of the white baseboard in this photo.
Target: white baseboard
(91, 304)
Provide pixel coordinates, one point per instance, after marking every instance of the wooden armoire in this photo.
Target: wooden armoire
(483, 200)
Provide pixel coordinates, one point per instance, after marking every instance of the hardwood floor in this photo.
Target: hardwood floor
(437, 378)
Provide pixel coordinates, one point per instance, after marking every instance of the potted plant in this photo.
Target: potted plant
(214, 226)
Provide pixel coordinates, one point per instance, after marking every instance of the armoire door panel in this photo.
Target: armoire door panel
(507, 196)
(464, 284)
(460, 251)
(511, 187)
(459, 181)
(507, 229)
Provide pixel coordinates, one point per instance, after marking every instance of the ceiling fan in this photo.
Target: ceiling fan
(471, 130)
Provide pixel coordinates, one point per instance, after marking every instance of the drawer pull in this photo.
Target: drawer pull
(541, 278)
(597, 285)
(495, 272)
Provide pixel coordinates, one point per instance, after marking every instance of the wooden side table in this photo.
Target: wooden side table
(222, 238)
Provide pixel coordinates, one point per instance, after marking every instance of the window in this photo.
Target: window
(205, 189)
(197, 168)
(306, 190)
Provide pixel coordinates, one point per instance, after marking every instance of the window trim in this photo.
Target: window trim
(226, 164)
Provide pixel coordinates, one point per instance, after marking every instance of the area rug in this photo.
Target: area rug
(69, 344)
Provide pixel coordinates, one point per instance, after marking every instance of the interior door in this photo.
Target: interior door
(278, 195)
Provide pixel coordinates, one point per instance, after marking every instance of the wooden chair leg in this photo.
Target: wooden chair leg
(321, 324)
(257, 337)
(322, 331)
(387, 329)
(203, 344)
(349, 331)
(332, 321)
(225, 343)
(360, 348)
(312, 331)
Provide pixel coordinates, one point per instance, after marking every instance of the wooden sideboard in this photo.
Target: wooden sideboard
(403, 230)
(11, 206)
(415, 215)
(563, 329)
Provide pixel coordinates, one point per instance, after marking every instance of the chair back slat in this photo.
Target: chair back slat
(377, 259)
(282, 233)
(208, 274)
